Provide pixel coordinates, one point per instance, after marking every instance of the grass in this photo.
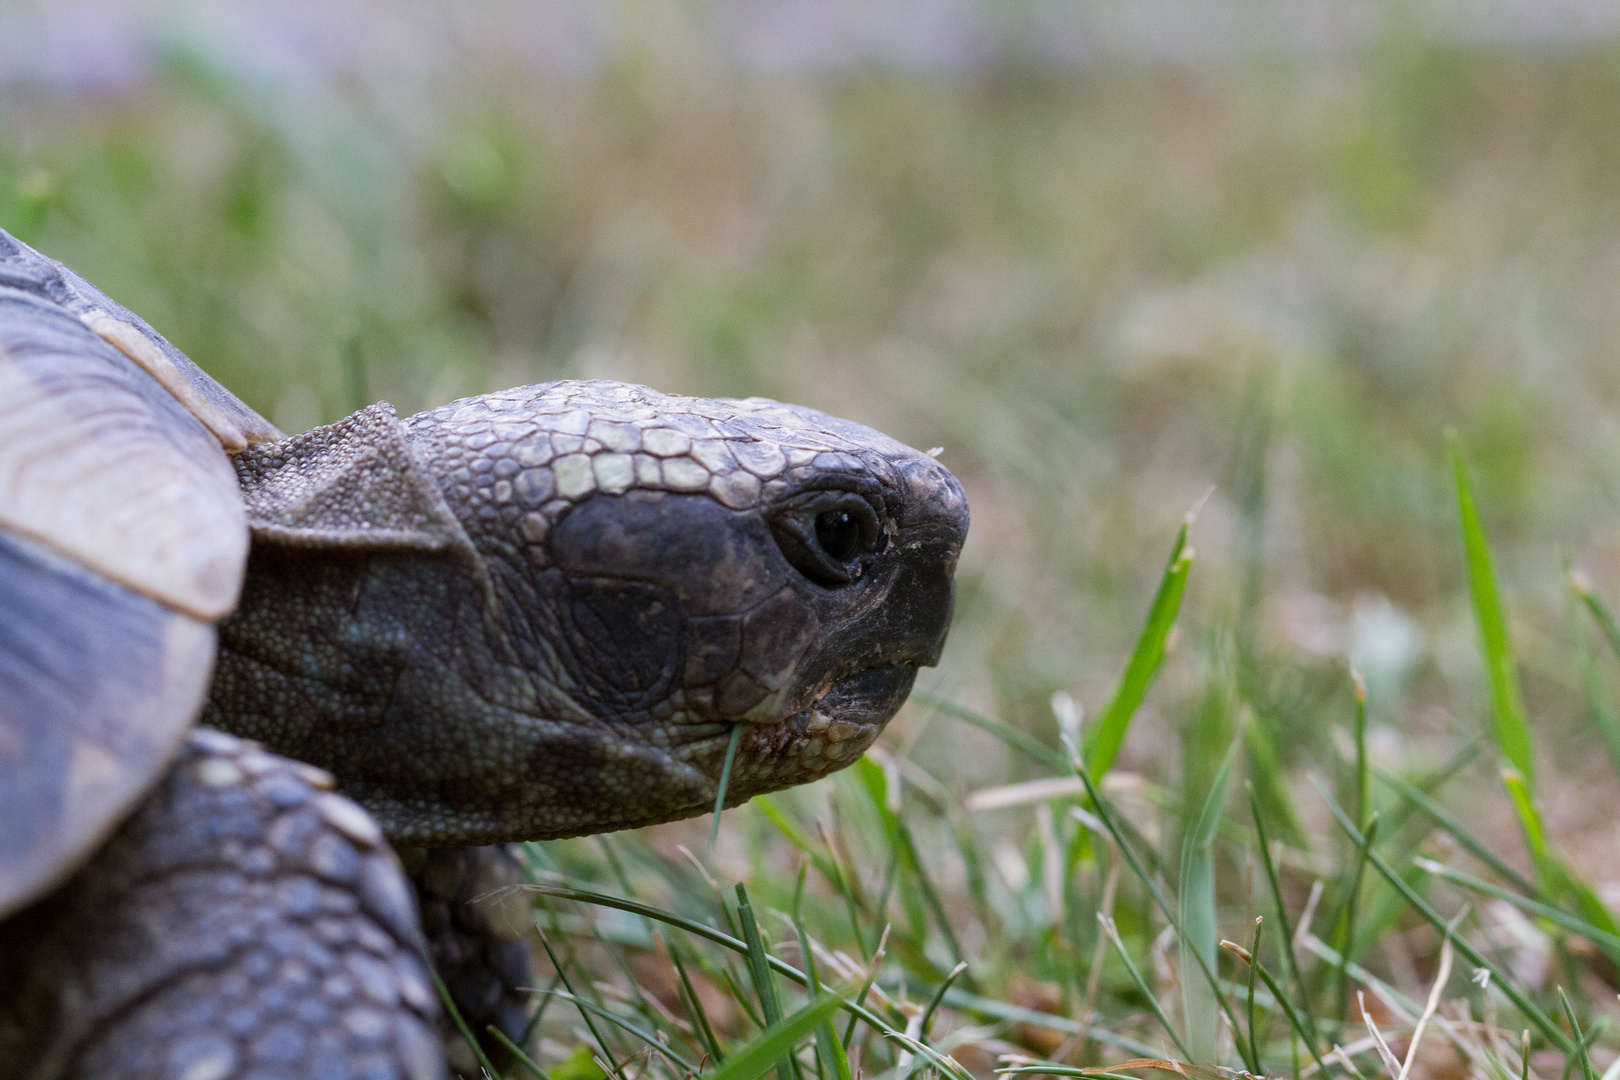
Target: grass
(1102, 291)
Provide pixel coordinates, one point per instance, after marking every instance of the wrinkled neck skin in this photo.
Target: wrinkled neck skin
(455, 727)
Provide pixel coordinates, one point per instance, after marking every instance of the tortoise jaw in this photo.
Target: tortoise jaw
(828, 735)
(870, 697)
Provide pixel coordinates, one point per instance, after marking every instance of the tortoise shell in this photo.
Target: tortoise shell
(123, 538)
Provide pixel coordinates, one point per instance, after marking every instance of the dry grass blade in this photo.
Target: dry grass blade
(1180, 1068)
(1433, 1001)
(1342, 1056)
(1391, 1063)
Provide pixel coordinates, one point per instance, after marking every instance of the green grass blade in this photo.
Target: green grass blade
(872, 967)
(1363, 791)
(1598, 698)
(1559, 880)
(1107, 1073)
(1329, 956)
(826, 865)
(725, 781)
(1110, 822)
(1535, 834)
(1254, 1030)
(1600, 611)
(1582, 1046)
(1269, 775)
(1581, 1041)
(1000, 1011)
(943, 1062)
(939, 996)
(517, 1052)
(1598, 936)
(759, 968)
(830, 1054)
(1141, 985)
(1511, 726)
(930, 895)
(846, 882)
(1539, 1019)
(1299, 1027)
(1285, 930)
(708, 933)
(1196, 906)
(1448, 822)
(694, 1006)
(626, 1026)
(1106, 736)
(461, 1026)
(1019, 740)
(1347, 938)
(734, 986)
(775, 1044)
(607, 1055)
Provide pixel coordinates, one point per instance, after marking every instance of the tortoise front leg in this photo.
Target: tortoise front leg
(246, 920)
(478, 930)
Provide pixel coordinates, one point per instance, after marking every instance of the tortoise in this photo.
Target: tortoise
(239, 670)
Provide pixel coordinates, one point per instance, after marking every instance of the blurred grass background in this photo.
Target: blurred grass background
(1104, 287)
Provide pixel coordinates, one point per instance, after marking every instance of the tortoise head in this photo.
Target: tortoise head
(641, 574)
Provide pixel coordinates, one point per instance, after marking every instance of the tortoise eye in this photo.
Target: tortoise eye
(829, 536)
(839, 534)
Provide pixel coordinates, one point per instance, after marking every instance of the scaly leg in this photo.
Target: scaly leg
(246, 921)
(478, 933)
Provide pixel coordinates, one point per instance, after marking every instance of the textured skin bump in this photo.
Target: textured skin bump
(154, 505)
(97, 688)
(244, 922)
(353, 483)
(628, 575)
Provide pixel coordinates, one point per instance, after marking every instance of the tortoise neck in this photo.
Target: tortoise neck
(316, 659)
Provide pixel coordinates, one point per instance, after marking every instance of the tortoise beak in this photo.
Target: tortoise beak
(932, 527)
(907, 630)
(870, 696)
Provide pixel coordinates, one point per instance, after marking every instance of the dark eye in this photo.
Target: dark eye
(839, 534)
(828, 536)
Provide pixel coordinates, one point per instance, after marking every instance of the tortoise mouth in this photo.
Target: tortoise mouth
(871, 696)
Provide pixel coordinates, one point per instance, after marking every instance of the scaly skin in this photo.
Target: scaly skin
(244, 921)
(540, 613)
